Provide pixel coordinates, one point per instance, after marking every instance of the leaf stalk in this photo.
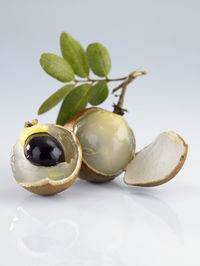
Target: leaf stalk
(118, 108)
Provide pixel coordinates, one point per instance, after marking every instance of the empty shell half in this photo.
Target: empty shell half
(158, 162)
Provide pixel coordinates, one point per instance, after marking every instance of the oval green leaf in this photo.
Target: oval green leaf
(98, 93)
(99, 59)
(73, 103)
(55, 98)
(74, 53)
(56, 67)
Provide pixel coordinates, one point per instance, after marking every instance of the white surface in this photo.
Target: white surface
(109, 224)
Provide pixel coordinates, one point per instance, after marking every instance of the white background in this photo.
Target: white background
(107, 224)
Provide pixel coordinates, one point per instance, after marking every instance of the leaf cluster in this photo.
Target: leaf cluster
(75, 61)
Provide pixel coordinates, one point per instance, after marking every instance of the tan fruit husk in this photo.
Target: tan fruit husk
(87, 172)
(171, 175)
(50, 187)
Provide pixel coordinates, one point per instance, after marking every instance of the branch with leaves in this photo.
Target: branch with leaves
(77, 93)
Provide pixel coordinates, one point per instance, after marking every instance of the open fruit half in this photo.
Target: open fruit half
(46, 158)
(107, 142)
(157, 163)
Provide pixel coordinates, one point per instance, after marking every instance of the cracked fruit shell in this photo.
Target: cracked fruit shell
(46, 158)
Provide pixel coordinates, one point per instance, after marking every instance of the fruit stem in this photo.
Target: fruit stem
(30, 124)
(118, 108)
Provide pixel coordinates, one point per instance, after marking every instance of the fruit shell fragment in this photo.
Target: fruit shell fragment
(157, 163)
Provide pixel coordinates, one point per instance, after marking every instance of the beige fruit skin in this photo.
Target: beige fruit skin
(86, 172)
(48, 188)
(171, 175)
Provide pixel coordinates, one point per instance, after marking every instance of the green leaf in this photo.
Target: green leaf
(74, 53)
(73, 103)
(55, 98)
(99, 59)
(98, 93)
(56, 67)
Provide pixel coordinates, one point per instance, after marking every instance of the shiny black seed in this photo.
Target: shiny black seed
(43, 150)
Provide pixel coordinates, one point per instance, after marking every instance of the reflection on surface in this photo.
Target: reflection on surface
(157, 207)
(92, 225)
(36, 238)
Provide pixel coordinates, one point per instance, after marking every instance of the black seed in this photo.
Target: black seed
(44, 150)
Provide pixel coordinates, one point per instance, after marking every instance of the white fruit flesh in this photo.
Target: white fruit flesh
(157, 162)
(107, 142)
(27, 173)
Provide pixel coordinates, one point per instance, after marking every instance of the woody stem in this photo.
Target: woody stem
(118, 108)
